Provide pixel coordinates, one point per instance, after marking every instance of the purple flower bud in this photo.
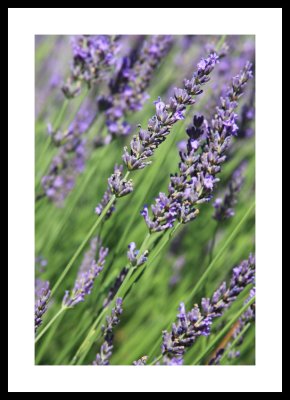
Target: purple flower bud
(103, 357)
(88, 272)
(92, 58)
(42, 295)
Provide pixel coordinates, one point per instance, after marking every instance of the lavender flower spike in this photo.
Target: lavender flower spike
(224, 207)
(103, 357)
(199, 165)
(144, 144)
(92, 57)
(42, 295)
(197, 322)
(69, 161)
(88, 272)
(127, 87)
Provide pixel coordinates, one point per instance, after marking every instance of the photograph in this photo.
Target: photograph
(145, 200)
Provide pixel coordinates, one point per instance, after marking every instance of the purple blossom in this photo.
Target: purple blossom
(93, 56)
(117, 186)
(127, 87)
(224, 207)
(144, 144)
(197, 322)
(104, 201)
(42, 295)
(88, 272)
(199, 164)
(103, 357)
(135, 259)
(70, 159)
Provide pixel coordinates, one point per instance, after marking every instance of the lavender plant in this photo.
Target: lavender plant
(128, 85)
(92, 57)
(88, 272)
(103, 357)
(144, 144)
(172, 262)
(196, 179)
(70, 160)
(42, 295)
(197, 322)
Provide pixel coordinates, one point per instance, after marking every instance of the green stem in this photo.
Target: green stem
(212, 244)
(47, 340)
(156, 360)
(224, 331)
(83, 244)
(51, 322)
(219, 254)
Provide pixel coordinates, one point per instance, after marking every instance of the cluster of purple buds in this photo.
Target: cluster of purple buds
(198, 321)
(136, 260)
(88, 272)
(200, 163)
(117, 186)
(224, 207)
(144, 144)
(104, 201)
(42, 295)
(127, 87)
(103, 357)
(93, 56)
(69, 161)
